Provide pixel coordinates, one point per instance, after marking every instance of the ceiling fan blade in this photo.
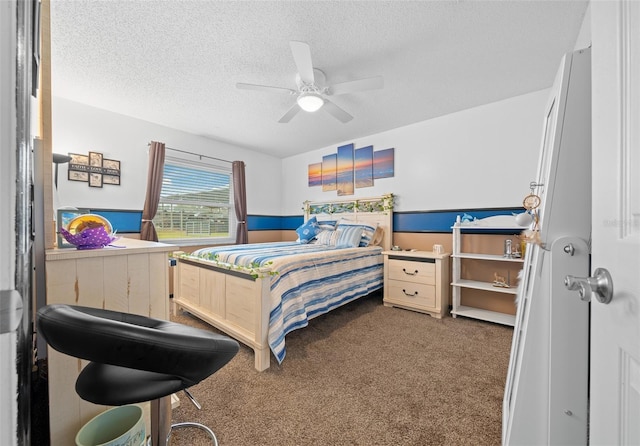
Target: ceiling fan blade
(290, 114)
(371, 83)
(302, 57)
(336, 112)
(244, 86)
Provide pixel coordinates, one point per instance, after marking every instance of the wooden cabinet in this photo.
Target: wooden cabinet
(504, 280)
(417, 280)
(132, 278)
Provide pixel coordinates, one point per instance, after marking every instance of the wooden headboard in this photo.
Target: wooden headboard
(372, 210)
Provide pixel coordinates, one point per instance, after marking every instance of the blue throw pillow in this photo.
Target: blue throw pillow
(308, 230)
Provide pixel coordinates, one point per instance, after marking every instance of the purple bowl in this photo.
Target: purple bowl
(90, 238)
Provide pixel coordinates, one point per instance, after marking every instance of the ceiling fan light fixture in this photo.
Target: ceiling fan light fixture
(310, 102)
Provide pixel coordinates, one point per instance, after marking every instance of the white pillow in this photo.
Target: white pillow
(327, 224)
(368, 229)
(348, 236)
(327, 237)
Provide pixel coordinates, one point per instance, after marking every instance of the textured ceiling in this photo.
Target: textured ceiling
(176, 63)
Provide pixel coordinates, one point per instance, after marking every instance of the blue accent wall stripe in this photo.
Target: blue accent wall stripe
(273, 222)
(441, 221)
(413, 221)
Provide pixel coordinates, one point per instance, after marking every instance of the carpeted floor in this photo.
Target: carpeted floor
(363, 374)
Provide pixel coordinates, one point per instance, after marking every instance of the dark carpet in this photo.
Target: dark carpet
(363, 374)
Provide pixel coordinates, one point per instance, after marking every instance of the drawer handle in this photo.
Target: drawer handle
(408, 273)
(415, 293)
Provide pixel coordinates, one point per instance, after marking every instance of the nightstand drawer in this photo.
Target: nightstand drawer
(411, 294)
(412, 271)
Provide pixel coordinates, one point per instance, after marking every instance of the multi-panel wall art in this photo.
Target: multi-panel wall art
(350, 168)
(94, 169)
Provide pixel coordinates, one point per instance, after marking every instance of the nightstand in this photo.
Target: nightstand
(417, 280)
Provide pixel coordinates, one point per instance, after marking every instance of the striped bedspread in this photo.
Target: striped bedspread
(311, 279)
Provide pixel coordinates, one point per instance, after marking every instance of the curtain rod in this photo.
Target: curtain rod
(196, 154)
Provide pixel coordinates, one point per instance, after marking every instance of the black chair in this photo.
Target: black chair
(135, 358)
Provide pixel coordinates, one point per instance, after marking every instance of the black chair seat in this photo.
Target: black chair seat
(120, 385)
(133, 358)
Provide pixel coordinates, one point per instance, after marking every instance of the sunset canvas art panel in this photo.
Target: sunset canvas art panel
(345, 170)
(383, 165)
(315, 174)
(363, 162)
(329, 172)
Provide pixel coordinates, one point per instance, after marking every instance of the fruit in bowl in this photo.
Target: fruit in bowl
(89, 231)
(88, 221)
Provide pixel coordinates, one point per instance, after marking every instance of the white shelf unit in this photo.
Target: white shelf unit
(490, 225)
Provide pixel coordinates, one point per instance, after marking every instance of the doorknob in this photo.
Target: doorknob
(600, 283)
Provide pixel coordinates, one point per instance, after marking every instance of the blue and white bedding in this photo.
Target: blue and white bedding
(310, 279)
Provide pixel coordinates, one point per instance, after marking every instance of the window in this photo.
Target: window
(196, 203)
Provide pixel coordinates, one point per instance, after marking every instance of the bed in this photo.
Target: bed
(258, 293)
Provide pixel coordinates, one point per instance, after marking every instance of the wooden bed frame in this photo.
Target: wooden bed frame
(237, 302)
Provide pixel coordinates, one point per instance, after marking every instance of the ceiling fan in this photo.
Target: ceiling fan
(312, 93)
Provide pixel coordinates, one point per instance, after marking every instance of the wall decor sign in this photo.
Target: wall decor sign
(350, 168)
(93, 169)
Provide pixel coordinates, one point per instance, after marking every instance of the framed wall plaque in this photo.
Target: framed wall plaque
(93, 169)
(95, 159)
(95, 180)
(78, 167)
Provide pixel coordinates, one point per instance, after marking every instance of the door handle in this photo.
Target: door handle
(600, 284)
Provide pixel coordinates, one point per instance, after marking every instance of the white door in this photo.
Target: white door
(615, 327)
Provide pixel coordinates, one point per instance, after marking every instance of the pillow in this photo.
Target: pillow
(348, 236)
(378, 237)
(368, 229)
(308, 230)
(327, 224)
(327, 237)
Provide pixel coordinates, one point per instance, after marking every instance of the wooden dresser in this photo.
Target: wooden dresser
(132, 278)
(417, 280)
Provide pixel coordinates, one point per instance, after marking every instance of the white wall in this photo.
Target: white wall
(584, 36)
(481, 157)
(78, 128)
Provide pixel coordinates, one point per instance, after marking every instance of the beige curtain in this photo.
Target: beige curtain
(154, 187)
(240, 202)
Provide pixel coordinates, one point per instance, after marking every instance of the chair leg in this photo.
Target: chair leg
(192, 424)
(192, 399)
(160, 421)
(196, 425)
